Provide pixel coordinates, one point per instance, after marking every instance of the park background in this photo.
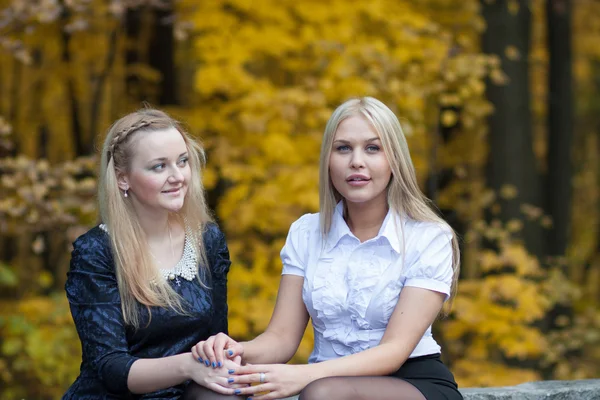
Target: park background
(499, 99)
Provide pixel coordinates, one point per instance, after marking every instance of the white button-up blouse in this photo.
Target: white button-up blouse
(351, 288)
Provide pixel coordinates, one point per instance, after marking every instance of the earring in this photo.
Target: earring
(125, 193)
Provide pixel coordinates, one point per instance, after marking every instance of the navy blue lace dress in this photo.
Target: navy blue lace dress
(109, 346)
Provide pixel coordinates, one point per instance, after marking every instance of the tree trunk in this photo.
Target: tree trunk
(560, 124)
(98, 84)
(150, 33)
(511, 158)
(162, 54)
(13, 113)
(440, 178)
(74, 107)
(133, 23)
(560, 134)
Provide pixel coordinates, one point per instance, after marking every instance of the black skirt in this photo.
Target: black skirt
(430, 376)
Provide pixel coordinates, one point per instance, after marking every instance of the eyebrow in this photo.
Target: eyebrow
(348, 142)
(166, 158)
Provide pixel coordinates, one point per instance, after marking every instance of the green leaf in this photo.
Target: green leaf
(7, 276)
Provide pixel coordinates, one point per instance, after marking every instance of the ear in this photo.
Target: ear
(122, 180)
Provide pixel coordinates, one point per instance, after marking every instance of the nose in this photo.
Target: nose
(357, 160)
(176, 175)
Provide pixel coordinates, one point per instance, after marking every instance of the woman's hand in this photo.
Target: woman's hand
(278, 380)
(211, 351)
(215, 379)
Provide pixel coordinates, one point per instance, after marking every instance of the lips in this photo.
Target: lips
(358, 178)
(172, 190)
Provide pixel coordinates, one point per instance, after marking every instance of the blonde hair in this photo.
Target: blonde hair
(403, 194)
(138, 277)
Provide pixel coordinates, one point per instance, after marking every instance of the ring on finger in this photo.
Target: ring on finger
(262, 378)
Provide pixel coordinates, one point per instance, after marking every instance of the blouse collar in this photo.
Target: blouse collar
(390, 229)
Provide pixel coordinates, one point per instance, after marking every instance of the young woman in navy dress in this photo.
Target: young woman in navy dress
(151, 280)
(372, 271)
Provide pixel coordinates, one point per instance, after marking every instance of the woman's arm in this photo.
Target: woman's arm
(95, 304)
(219, 266)
(149, 375)
(143, 376)
(416, 310)
(427, 284)
(280, 340)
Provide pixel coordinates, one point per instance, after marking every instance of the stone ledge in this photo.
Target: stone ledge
(588, 389)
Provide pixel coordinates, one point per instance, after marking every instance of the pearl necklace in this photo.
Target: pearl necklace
(187, 265)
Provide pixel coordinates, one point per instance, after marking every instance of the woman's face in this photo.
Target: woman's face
(159, 173)
(358, 166)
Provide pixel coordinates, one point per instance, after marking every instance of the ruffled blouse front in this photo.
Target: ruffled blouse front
(351, 288)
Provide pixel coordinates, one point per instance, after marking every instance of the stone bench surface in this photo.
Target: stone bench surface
(587, 389)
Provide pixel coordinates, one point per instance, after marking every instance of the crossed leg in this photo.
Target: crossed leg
(361, 388)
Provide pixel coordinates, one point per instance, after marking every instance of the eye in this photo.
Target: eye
(373, 148)
(158, 167)
(183, 162)
(343, 148)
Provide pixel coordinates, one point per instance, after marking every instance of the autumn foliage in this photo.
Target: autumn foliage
(256, 82)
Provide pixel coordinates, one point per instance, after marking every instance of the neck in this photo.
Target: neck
(365, 220)
(155, 227)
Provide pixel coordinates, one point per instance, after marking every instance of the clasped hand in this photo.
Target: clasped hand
(272, 381)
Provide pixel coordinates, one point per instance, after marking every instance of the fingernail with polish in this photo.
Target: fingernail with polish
(231, 371)
(230, 352)
(200, 359)
(230, 380)
(237, 391)
(214, 364)
(207, 362)
(220, 364)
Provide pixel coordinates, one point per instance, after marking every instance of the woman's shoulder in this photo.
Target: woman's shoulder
(93, 238)
(307, 222)
(214, 240)
(428, 237)
(304, 233)
(92, 245)
(212, 233)
(426, 228)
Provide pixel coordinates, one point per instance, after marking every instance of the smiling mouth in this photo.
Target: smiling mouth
(172, 190)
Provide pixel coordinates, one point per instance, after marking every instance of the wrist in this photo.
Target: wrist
(244, 353)
(312, 372)
(187, 365)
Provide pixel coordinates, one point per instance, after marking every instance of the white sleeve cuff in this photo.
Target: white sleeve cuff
(429, 284)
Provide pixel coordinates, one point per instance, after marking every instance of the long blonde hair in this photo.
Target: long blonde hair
(403, 194)
(138, 277)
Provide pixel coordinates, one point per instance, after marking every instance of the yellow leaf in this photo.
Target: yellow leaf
(512, 53)
(449, 118)
(508, 191)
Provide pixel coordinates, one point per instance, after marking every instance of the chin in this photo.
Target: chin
(362, 200)
(174, 207)
(358, 199)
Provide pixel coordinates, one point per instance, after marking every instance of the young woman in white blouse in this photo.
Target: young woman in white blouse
(372, 271)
